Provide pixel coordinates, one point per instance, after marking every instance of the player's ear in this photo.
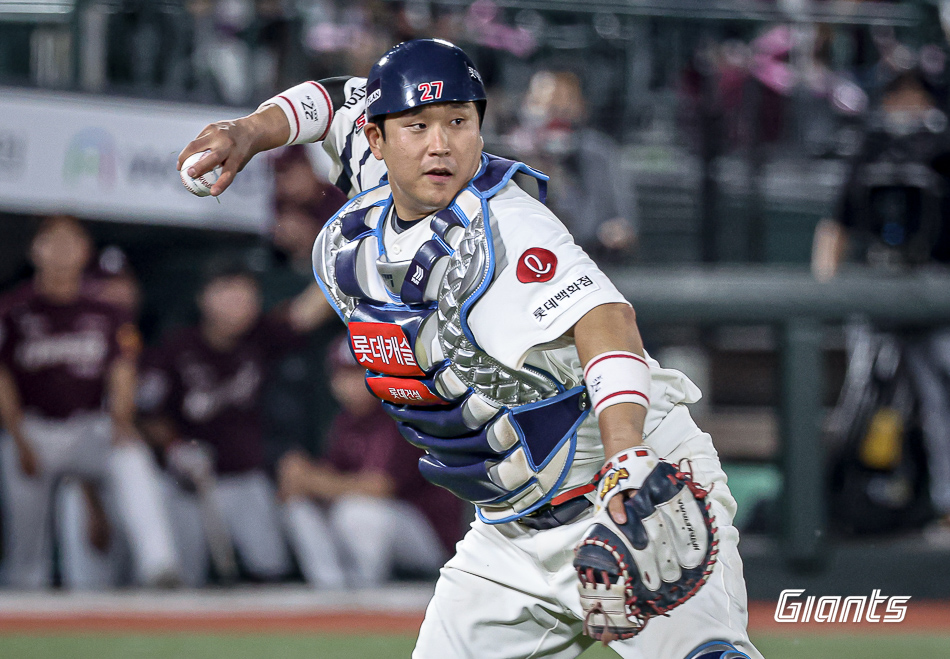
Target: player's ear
(374, 136)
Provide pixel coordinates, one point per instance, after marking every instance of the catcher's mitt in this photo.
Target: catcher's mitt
(657, 559)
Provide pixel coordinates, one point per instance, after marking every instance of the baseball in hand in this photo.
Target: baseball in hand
(201, 185)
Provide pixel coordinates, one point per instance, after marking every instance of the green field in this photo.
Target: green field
(265, 646)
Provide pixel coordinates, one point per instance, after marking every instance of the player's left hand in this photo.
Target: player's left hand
(651, 547)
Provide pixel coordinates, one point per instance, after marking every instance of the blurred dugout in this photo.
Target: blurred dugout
(67, 389)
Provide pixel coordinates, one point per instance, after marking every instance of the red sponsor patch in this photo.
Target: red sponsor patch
(536, 265)
(403, 391)
(383, 348)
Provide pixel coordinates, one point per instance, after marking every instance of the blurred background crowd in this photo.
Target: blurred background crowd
(766, 137)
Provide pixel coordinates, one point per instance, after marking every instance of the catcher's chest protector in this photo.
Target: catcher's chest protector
(499, 437)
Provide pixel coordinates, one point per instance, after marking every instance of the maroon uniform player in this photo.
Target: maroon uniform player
(369, 479)
(67, 387)
(203, 387)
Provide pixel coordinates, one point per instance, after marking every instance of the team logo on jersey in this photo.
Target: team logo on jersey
(360, 122)
(310, 109)
(536, 265)
(402, 391)
(383, 348)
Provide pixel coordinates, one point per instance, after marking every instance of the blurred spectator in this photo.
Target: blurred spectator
(297, 402)
(594, 196)
(303, 201)
(202, 388)
(895, 194)
(147, 45)
(242, 49)
(367, 498)
(67, 389)
(222, 57)
(897, 201)
(84, 511)
(114, 282)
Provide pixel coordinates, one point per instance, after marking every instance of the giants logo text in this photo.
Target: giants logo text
(791, 608)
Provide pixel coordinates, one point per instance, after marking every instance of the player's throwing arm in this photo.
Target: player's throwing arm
(298, 115)
(230, 145)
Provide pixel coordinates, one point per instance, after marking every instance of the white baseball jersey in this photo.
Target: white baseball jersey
(543, 283)
(511, 591)
(355, 168)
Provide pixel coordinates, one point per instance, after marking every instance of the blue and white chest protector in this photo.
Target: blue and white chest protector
(501, 437)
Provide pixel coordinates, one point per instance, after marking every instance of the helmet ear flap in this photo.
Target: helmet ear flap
(480, 106)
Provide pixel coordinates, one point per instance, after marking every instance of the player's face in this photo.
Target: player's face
(294, 231)
(63, 250)
(431, 153)
(349, 389)
(231, 305)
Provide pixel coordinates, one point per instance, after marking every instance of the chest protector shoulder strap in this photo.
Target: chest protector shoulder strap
(501, 438)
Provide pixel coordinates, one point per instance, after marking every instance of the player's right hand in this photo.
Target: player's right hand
(229, 146)
(232, 144)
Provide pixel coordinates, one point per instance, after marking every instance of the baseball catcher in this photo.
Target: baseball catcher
(502, 350)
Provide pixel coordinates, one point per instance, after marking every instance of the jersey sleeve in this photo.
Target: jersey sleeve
(543, 282)
(355, 168)
(331, 111)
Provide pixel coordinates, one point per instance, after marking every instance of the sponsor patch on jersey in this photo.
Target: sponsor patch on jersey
(536, 265)
(551, 307)
(383, 348)
(360, 122)
(403, 391)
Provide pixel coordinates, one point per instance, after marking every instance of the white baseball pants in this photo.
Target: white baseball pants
(358, 540)
(248, 508)
(511, 592)
(80, 446)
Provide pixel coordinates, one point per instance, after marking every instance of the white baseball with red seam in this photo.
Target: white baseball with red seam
(199, 186)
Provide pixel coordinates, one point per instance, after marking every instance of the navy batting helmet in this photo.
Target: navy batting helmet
(419, 72)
